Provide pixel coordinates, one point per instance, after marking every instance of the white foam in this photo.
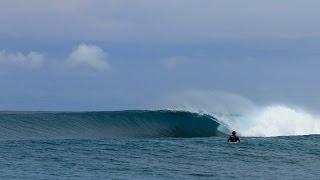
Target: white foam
(280, 120)
(237, 113)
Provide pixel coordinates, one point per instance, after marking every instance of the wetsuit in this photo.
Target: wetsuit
(233, 138)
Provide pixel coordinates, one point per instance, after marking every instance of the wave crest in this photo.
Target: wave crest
(108, 124)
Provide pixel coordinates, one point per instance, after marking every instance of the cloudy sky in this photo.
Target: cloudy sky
(123, 54)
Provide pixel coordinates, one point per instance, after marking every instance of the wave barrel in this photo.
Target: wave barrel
(107, 124)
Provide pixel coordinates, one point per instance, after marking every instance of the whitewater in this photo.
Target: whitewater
(274, 120)
(277, 142)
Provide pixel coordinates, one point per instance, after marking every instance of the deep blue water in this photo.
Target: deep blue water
(293, 157)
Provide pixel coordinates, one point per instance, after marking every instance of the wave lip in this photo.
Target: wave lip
(106, 124)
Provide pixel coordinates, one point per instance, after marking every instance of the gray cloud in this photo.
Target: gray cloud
(164, 21)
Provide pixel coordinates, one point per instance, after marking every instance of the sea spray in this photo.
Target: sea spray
(280, 120)
(234, 112)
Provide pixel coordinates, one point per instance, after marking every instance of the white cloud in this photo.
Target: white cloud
(30, 61)
(89, 56)
(172, 62)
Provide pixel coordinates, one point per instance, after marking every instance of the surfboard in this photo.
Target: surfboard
(233, 142)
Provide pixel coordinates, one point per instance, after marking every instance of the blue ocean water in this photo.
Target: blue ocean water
(48, 149)
(162, 158)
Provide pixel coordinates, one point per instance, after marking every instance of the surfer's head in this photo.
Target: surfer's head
(233, 133)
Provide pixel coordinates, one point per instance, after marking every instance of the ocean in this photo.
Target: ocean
(150, 144)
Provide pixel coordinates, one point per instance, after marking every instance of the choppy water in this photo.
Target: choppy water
(294, 157)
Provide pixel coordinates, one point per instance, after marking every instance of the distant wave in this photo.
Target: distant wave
(107, 124)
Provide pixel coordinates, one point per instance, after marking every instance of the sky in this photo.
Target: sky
(80, 55)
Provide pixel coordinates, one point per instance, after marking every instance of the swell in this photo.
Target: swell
(107, 124)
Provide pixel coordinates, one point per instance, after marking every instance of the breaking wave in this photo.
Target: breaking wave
(108, 124)
(275, 120)
(268, 121)
(280, 120)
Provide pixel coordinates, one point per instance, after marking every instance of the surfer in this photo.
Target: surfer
(233, 137)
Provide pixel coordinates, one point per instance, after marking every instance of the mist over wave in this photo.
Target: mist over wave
(279, 120)
(235, 112)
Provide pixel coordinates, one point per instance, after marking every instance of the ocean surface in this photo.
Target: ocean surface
(146, 145)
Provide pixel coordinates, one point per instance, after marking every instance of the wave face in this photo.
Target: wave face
(108, 124)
